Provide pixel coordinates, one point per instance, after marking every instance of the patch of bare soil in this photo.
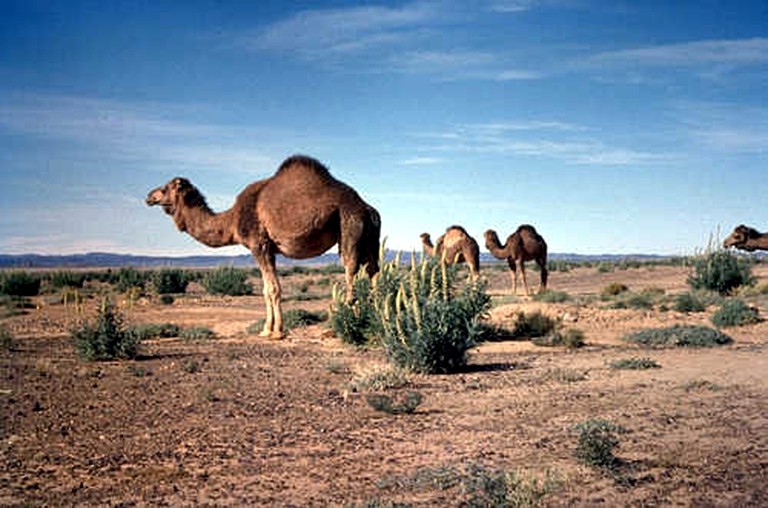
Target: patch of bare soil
(240, 420)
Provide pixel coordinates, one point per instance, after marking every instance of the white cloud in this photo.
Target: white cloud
(315, 32)
(728, 51)
(572, 144)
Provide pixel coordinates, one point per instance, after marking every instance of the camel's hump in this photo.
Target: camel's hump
(304, 161)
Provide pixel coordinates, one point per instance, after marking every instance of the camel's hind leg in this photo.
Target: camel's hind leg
(544, 276)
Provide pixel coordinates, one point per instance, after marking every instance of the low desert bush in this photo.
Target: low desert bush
(155, 331)
(499, 488)
(197, 333)
(689, 302)
(634, 364)
(721, 271)
(405, 404)
(379, 379)
(107, 339)
(597, 441)
(735, 313)
(19, 283)
(550, 296)
(532, 325)
(614, 289)
(170, 281)
(227, 280)
(679, 335)
(571, 338)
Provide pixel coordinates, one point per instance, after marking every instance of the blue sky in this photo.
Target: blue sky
(613, 127)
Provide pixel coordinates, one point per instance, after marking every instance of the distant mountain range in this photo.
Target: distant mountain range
(107, 260)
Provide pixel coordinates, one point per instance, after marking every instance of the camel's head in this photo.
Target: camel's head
(171, 195)
(425, 238)
(491, 238)
(740, 236)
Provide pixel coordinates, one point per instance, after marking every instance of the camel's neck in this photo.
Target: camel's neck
(205, 226)
(758, 243)
(495, 247)
(429, 249)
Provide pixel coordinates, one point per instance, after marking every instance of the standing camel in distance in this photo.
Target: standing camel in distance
(523, 245)
(299, 212)
(746, 238)
(455, 246)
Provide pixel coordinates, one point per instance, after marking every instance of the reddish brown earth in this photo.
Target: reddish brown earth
(241, 420)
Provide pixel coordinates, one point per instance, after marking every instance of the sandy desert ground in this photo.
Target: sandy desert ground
(241, 420)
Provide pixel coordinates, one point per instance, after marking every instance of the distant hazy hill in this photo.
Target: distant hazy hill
(106, 260)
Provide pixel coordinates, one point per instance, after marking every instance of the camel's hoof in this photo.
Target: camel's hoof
(271, 335)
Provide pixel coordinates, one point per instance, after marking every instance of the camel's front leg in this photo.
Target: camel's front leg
(521, 265)
(513, 274)
(273, 322)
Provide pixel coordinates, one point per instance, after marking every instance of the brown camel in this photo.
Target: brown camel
(455, 246)
(523, 245)
(300, 212)
(746, 238)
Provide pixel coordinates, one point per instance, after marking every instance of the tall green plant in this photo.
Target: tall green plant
(425, 323)
(719, 270)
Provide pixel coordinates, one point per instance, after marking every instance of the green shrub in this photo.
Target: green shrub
(688, 302)
(424, 322)
(635, 364)
(67, 279)
(550, 296)
(679, 335)
(19, 283)
(571, 338)
(533, 325)
(227, 280)
(155, 331)
(721, 271)
(167, 299)
(197, 333)
(356, 322)
(170, 281)
(498, 488)
(735, 313)
(406, 404)
(597, 441)
(107, 339)
(128, 277)
(614, 289)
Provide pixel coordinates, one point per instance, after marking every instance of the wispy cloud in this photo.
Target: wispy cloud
(125, 131)
(413, 39)
(725, 127)
(572, 144)
(735, 52)
(705, 59)
(313, 33)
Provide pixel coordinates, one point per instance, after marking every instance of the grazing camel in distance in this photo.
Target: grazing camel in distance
(747, 238)
(523, 245)
(299, 212)
(454, 246)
